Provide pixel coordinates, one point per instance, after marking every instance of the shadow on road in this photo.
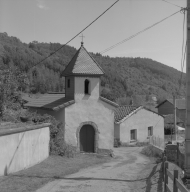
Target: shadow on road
(149, 182)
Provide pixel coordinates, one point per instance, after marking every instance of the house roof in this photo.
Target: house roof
(180, 103)
(169, 119)
(124, 111)
(82, 64)
(53, 101)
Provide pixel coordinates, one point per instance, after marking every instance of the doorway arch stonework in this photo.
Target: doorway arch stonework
(96, 134)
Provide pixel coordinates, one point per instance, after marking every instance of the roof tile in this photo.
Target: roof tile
(45, 100)
(83, 64)
(123, 111)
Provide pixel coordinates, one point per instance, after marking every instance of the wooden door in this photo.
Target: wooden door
(87, 135)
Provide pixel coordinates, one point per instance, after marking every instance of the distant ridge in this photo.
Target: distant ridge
(124, 77)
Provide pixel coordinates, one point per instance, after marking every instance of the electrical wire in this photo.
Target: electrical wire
(172, 3)
(183, 42)
(131, 37)
(182, 68)
(123, 41)
(75, 35)
(183, 53)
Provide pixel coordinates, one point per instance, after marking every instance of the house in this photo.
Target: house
(88, 117)
(169, 124)
(137, 124)
(169, 121)
(166, 107)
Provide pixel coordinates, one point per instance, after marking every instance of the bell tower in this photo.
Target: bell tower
(82, 76)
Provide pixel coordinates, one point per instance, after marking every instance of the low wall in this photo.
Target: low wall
(23, 147)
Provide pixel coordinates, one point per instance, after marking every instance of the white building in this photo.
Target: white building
(134, 124)
(88, 118)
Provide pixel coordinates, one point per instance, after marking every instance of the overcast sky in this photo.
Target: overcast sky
(60, 20)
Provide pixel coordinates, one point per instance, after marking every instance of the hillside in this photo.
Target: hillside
(124, 77)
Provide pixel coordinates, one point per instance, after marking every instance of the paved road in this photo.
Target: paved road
(129, 171)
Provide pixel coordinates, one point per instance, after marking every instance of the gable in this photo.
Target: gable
(180, 103)
(124, 112)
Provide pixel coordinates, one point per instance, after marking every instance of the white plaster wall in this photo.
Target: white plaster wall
(94, 110)
(141, 121)
(22, 150)
(94, 88)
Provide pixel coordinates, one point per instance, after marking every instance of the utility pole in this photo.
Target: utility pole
(187, 129)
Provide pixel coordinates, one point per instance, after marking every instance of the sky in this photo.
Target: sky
(57, 21)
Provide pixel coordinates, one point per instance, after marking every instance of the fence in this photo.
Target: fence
(177, 184)
(180, 137)
(157, 141)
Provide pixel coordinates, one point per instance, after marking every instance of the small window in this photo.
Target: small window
(86, 86)
(133, 134)
(68, 83)
(34, 74)
(150, 131)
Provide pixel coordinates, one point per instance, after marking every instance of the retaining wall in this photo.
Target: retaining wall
(23, 147)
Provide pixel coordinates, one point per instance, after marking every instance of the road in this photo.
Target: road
(130, 171)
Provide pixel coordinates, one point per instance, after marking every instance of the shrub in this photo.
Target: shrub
(151, 151)
(57, 144)
(141, 144)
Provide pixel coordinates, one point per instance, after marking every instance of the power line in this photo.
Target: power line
(180, 82)
(183, 53)
(123, 41)
(75, 35)
(171, 3)
(183, 42)
(131, 37)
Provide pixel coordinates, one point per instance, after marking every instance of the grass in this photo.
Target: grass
(54, 167)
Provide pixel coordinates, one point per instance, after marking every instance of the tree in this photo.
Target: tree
(11, 82)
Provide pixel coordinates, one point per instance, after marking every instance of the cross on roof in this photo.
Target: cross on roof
(82, 36)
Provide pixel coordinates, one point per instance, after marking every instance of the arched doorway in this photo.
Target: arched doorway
(87, 138)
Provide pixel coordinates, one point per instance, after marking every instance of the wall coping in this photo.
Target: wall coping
(12, 130)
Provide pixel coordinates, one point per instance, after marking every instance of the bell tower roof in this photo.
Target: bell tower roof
(83, 63)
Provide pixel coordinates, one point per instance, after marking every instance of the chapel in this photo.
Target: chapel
(88, 118)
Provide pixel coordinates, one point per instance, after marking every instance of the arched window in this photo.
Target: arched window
(68, 83)
(86, 86)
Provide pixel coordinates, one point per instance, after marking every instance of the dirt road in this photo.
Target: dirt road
(129, 171)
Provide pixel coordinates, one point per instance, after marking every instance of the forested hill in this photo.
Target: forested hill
(124, 77)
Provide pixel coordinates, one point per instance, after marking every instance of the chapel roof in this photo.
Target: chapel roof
(53, 101)
(83, 64)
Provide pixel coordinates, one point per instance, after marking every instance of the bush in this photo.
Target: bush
(141, 144)
(151, 151)
(57, 144)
